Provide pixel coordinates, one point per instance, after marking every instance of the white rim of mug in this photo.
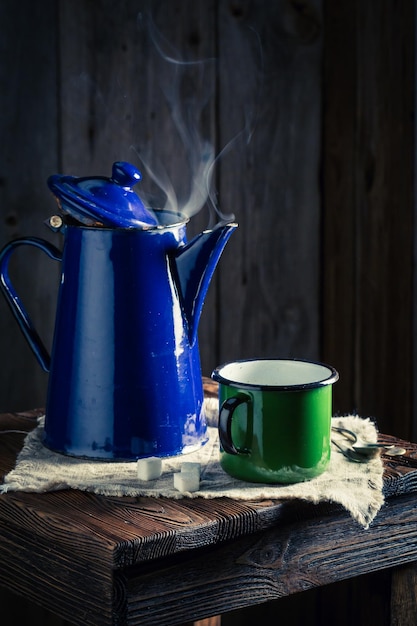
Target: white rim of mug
(332, 378)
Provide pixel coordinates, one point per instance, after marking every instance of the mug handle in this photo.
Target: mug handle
(225, 423)
(14, 301)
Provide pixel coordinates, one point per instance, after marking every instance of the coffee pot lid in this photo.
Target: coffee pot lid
(108, 201)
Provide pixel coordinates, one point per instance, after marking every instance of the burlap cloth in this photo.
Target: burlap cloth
(355, 486)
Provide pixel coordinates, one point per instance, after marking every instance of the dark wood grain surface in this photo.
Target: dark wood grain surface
(137, 556)
(293, 556)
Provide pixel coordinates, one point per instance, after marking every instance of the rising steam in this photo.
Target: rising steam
(186, 110)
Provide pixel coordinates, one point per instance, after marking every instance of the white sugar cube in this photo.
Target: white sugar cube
(149, 468)
(187, 481)
(194, 468)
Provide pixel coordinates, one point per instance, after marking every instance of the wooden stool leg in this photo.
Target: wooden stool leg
(209, 621)
(404, 595)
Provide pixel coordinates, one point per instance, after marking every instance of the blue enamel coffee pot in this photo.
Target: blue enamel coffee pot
(124, 373)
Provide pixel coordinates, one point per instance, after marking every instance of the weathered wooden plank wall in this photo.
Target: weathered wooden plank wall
(270, 278)
(112, 96)
(369, 145)
(29, 152)
(322, 263)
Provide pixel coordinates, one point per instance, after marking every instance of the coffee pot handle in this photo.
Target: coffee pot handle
(227, 409)
(14, 301)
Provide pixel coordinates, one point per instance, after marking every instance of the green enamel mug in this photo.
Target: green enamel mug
(275, 419)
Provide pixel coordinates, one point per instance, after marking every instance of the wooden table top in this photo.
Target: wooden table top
(121, 557)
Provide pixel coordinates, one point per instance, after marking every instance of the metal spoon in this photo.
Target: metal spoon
(352, 455)
(370, 448)
(396, 451)
(362, 447)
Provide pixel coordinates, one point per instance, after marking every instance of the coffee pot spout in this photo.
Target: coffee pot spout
(195, 263)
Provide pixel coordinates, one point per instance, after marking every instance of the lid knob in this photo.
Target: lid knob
(125, 174)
